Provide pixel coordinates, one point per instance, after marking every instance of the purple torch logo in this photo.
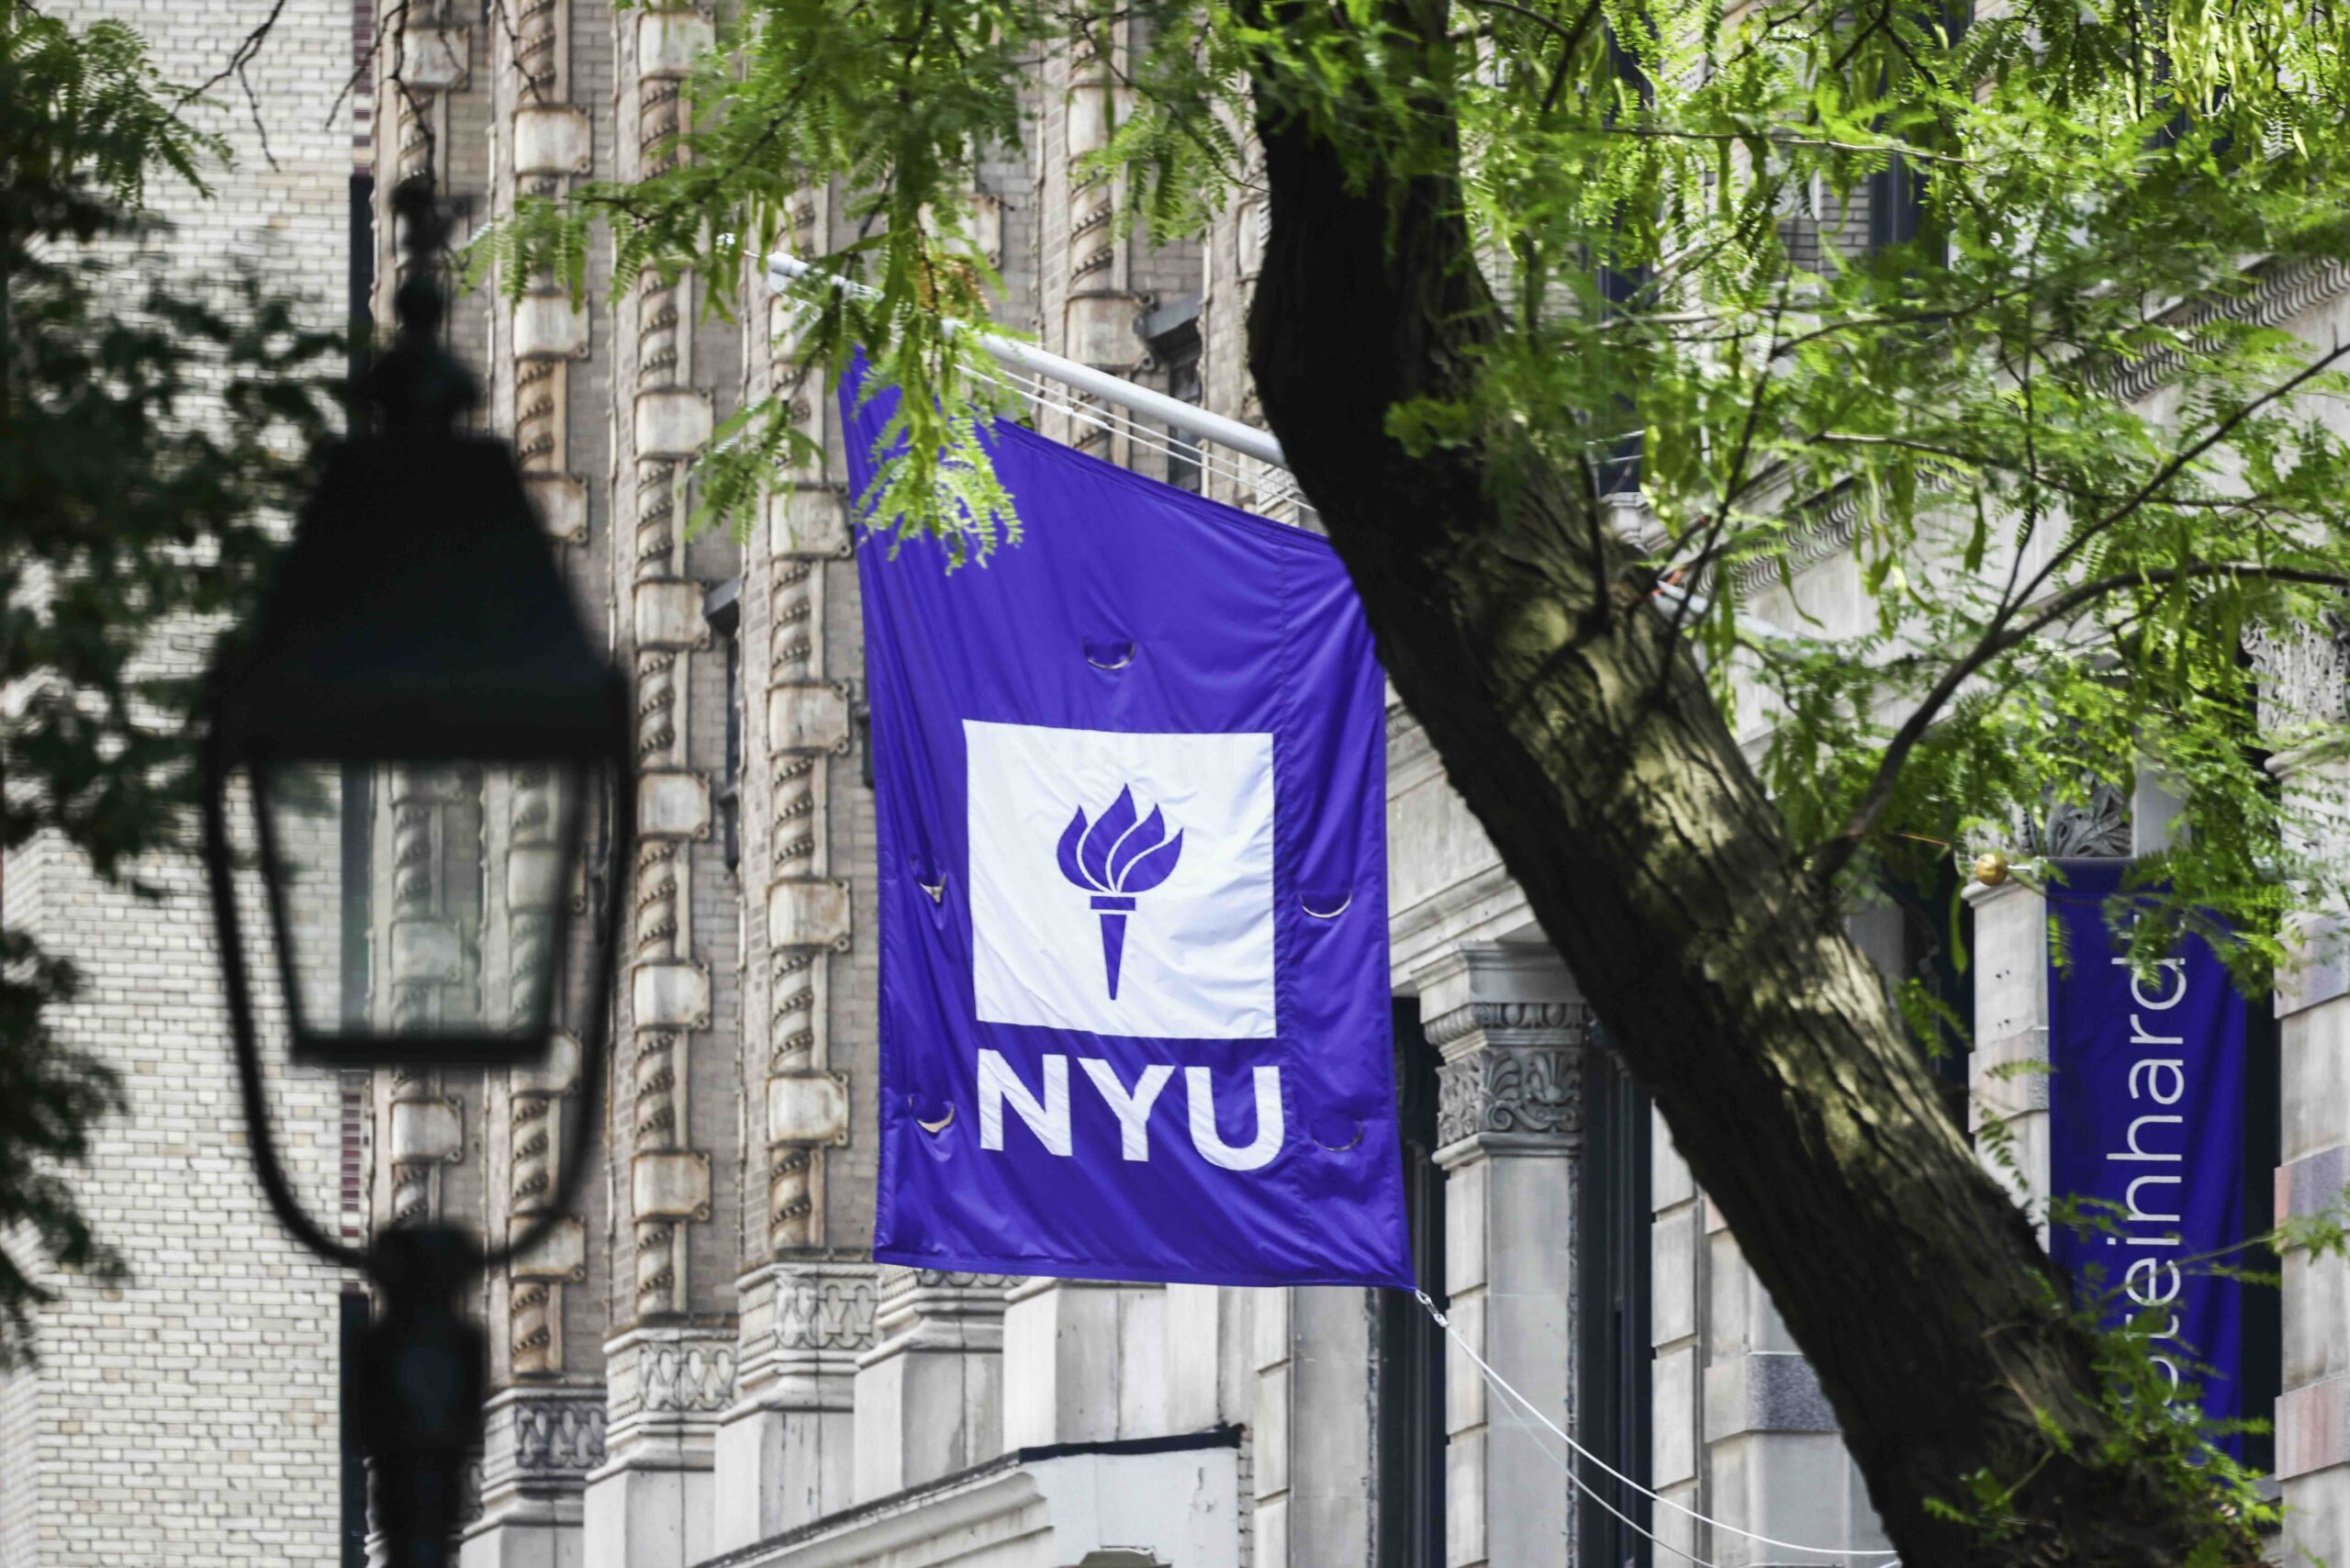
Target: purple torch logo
(1114, 859)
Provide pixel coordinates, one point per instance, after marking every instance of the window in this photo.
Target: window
(1173, 333)
(1612, 1397)
(722, 607)
(1410, 1348)
(352, 1470)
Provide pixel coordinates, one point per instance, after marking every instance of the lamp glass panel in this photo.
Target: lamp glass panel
(426, 899)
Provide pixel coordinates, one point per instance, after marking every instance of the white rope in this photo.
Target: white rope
(1493, 1377)
(1506, 1393)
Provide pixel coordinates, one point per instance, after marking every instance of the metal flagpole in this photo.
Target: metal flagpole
(784, 270)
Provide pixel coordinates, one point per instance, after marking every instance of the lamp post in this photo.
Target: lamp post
(418, 643)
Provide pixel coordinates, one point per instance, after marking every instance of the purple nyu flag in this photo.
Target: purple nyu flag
(2146, 1127)
(1131, 783)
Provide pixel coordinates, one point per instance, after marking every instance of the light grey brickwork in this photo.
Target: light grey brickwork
(190, 1414)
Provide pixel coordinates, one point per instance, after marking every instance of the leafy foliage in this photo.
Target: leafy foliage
(146, 431)
(2042, 461)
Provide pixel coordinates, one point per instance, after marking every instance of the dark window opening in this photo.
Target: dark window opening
(2264, 1303)
(1898, 192)
(1937, 926)
(1613, 1290)
(358, 777)
(1620, 291)
(722, 607)
(353, 1459)
(1410, 1351)
(1173, 333)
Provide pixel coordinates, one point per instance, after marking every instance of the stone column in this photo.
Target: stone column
(2008, 1071)
(426, 842)
(784, 1455)
(1677, 1331)
(431, 58)
(1310, 1478)
(670, 1362)
(786, 1451)
(1088, 295)
(552, 143)
(652, 1503)
(929, 1397)
(1511, 1028)
(669, 995)
(1083, 1362)
(807, 727)
(541, 1445)
(2303, 681)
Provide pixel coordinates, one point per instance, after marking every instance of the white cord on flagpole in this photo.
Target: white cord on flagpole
(1445, 1323)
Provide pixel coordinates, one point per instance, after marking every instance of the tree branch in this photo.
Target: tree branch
(1833, 856)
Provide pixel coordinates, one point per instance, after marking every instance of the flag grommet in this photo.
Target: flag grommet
(1334, 1133)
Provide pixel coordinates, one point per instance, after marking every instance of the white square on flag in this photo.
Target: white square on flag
(1151, 855)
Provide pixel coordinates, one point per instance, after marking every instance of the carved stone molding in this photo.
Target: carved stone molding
(2100, 829)
(2303, 675)
(559, 1436)
(1521, 1091)
(826, 1312)
(1492, 1017)
(1511, 1028)
(668, 1382)
(933, 1309)
(687, 1378)
(898, 1281)
(2282, 294)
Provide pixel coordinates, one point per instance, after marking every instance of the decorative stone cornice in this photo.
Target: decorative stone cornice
(805, 1321)
(1507, 1018)
(932, 1309)
(2282, 293)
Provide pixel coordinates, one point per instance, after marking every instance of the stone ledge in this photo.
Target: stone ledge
(2307, 1185)
(2313, 1428)
(1765, 1391)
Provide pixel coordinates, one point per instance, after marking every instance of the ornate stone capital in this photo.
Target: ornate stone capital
(559, 1437)
(542, 1442)
(688, 1378)
(826, 1312)
(669, 1385)
(1524, 1095)
(1511, 1028)
(2302, 674)
(925, 1309)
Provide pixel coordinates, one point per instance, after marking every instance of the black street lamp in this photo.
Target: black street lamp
(417, 643)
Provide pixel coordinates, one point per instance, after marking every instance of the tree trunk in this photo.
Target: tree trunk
(1582, 736)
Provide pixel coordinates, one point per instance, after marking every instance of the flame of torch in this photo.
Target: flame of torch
(1114, 858)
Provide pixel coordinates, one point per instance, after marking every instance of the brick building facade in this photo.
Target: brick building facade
(191, 1413)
